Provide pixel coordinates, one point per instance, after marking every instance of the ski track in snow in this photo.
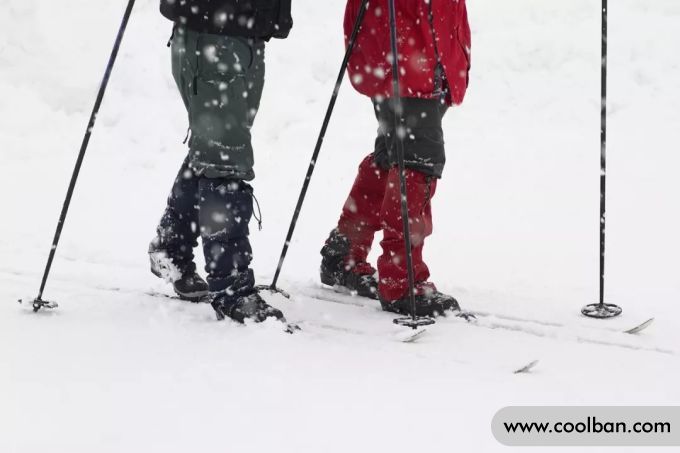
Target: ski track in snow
(114, 369)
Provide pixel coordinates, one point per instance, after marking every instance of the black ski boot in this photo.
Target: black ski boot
(191, 287)
(431, 303)
(334, 272)
(188, 285)
(242, 307)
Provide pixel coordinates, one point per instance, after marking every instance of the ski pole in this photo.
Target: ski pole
(602, 310)
(38, 302)
(413, 322)
(319, 142)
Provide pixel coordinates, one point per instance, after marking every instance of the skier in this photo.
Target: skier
(217, 49)
(434, 54)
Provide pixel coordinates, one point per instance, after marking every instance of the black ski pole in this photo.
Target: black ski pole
(414, 321)
(38, 302)
(319, 142)
(602, 310)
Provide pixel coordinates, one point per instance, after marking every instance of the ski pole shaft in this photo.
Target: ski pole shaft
(319, 142)
(603, 150)
(602, 310)
(399, 138)
(83, 146)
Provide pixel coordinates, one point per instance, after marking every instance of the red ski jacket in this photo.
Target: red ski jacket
(428, 32)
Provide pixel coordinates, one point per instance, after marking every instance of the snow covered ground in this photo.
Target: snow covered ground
(117, 370)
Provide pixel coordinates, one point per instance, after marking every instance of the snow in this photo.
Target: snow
(516, 233)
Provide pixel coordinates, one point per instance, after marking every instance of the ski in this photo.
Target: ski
(631, 331)
(544, 329)
(526, 368)
(412, 337)
(203, 300)
(336, 296)
(637, 329)
(613, 338)
(288, 327)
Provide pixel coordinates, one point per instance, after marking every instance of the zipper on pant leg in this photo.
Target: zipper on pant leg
(428, 193)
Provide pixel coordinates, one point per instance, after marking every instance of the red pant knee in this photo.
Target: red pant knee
(360, 218)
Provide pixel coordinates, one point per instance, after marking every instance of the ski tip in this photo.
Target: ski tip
(639, 328)
(412, 337)
(526, 368)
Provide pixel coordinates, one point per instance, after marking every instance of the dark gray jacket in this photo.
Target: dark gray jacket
(263, 19)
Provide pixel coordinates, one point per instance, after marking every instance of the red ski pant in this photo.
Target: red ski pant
(374, 204)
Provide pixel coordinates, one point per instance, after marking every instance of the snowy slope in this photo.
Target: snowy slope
(117, 370)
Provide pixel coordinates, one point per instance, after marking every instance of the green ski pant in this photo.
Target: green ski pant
(220, 79)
